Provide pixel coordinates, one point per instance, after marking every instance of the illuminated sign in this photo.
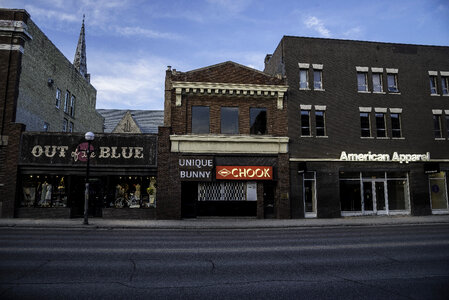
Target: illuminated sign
(244, 172)
(396, 157)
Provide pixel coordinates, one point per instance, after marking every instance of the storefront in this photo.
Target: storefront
(370, 184)
(52, 174)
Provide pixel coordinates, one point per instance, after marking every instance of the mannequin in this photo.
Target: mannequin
(43, 193)
(137, 193)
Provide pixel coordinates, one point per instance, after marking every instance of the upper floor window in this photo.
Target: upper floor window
(58, 98)
(433, 84)
(72, 106)
(396, 131)
(303, 79)
(66, 101)
(377, 82)
(71, 127)
(445, 85)
(362, 81)
(200, 119)
(380, 125)
(65, 125)
(392, 81)
(46, 126)
(437, 126)
(230, 120)
(320, 123)
(365, 124)
(258, 120)
(305, 123)
(317, 79)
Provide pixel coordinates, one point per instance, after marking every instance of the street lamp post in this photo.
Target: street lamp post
(89, 136)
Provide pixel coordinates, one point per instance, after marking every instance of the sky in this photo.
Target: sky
(130, 43)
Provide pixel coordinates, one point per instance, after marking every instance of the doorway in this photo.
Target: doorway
(374, 198)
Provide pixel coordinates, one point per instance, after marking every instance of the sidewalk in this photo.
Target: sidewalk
(224, 223)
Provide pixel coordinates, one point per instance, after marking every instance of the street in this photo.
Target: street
(384, 262)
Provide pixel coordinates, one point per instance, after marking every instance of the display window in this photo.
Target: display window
(371, 193)
(132, 192)
(438, 192)
(43, 191)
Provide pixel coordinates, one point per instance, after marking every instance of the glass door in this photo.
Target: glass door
(369, 200)
(373, 196)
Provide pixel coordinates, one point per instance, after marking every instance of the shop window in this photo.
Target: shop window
(362, 81)
(305, 123)
(438, 192)
(350, 196)
(43, 191)
(317, 79)
(392, 81)
(320, 123)
(445, 85)
(396, 131)
(447, 123)
(365, 124)
(433, 85)
(200, 119)
(377, 83)
(66, 101)
(230, 120)
(133, 192)
(72, 106)
(437, 126)
(258, 120)
(397, 194)
(65, 124)
(309, 188)
(304, 79)
(380, 125)
(58, 98)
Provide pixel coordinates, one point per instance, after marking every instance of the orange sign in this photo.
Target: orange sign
(244, 172)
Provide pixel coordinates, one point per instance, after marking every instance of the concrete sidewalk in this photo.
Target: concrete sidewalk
(223, 223)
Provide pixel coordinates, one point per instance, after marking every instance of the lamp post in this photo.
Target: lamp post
(89, 136)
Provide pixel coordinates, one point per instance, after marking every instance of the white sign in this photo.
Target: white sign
(396, 157)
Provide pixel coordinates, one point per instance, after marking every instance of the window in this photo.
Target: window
(362, 81)
(58, 98)
(72, 106)
(258, 120)
(380, 125)
(438, 192)
(305, 122)
(64, 125)
(303, 79)
(320, 123)
(66, 101)
(377, 83)
(309, 188)
(365, 124)
(437, 126)
(445, 85)
(433, 85)
(392, 81)
(230, 120)
(200, 119)
(46, 126)
(447, 123)
(71, 127)
(317, 79)
(396, 125)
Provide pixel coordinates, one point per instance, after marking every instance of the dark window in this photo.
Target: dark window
(396, 125)
(65, 124)
(258, 119)
(58, 98)
(230, 120)
(320, 123)
(392, 80)
(305, 122)
(46, 126)
(317, 79)
(362, 81)
(444, 85)
(365, 124)
(200, 119)
(71, 127)
(72, 106)
(433, 85)
(66, 101)
(437, 126)
(380, 125)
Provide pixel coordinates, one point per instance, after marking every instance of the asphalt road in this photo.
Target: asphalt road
(397, 262)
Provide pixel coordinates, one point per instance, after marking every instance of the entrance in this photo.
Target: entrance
(373, 201)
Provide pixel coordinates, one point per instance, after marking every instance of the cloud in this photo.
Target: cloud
(316, 24)
(48, 14)
(232, 6)
(353, 33)
(139, 31)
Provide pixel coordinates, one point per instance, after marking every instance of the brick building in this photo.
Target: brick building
(223, 150)
(40, 91)
(368, 125)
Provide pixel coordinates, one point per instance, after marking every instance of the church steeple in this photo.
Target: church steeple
(80, 55)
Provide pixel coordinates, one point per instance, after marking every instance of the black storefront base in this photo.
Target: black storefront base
(43, 212)
(129, 213)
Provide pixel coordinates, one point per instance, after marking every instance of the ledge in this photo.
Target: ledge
(228, 144)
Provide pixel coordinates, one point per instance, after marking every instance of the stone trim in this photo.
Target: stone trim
(380, 110)
(361, 69)
(209, 88)
(365, 109)
(444, 73)
(433, 73)
(396, 110)
(228, 144)
(437, 111)
(377, 70)
(392, 71)
(10, 47)
(15, 26)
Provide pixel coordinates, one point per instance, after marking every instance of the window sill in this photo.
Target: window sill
(306, 136)
(304, 89)
(445, 95)
(440, 139)
(379, 93)
(367, 137)
(320, 90)
(394, 93)
(322, 136)
(364, 92)
(398, 138)
(382, 138)
(435, 95)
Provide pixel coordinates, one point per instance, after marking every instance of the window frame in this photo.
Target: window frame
(433, 79)
(72, 105)
(323, 128)
(58, 98)
(196, 123)
(71, 127)
(394, 88)
(365, 77)
(304, 112)
(445, 85)
(66, 101)
(320, 72)
(65, 124)
(233, 110)
(306, 72)
(379, 85)
(364, 115)
(383, 129)
(397, 130)
(253, 118)
(437, 128)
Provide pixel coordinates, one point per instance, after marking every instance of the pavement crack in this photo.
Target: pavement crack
(133, 271)
(33, 270)
(213, 265)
